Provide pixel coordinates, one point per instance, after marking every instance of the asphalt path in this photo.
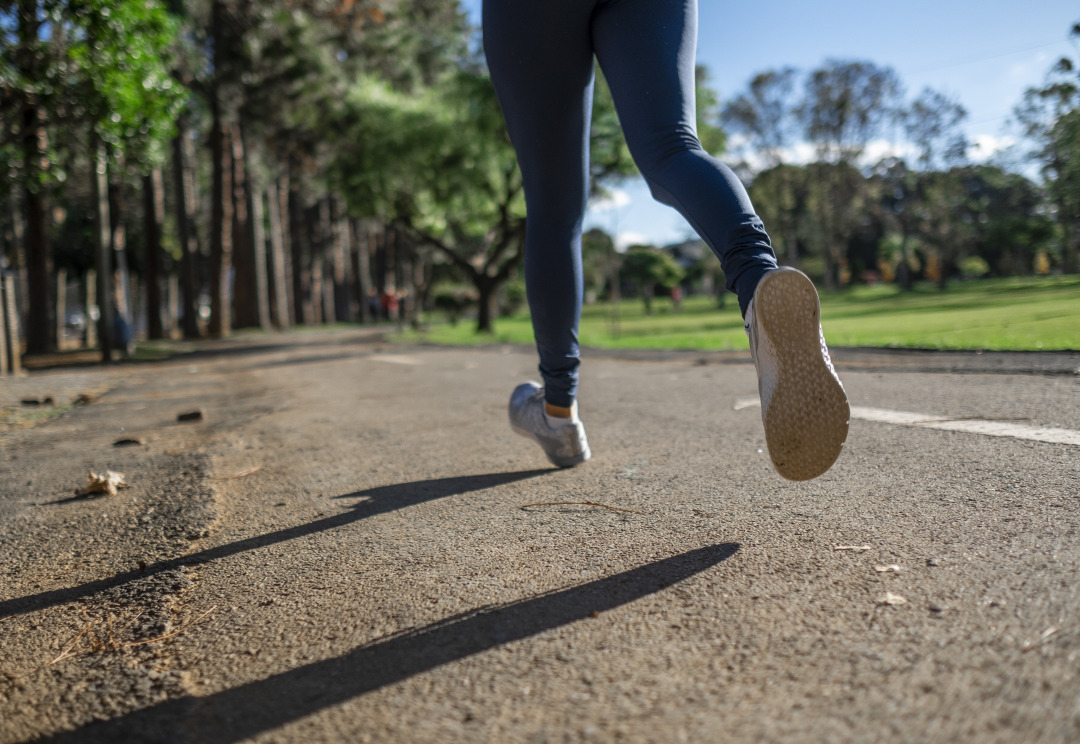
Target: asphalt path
(351, 545)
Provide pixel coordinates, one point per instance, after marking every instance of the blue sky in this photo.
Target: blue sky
(983, 52)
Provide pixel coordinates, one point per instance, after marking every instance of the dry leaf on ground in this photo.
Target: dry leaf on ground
(108, 482)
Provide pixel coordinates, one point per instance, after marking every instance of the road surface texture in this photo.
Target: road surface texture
(351, 545)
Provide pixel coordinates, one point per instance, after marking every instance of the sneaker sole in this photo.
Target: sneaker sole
(559, 462)
(806, 422)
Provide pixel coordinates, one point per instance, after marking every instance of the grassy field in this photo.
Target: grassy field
(1024, 313)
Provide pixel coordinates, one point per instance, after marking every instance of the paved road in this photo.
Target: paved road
(352, 546)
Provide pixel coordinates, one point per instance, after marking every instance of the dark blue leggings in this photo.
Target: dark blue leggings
(540, 54)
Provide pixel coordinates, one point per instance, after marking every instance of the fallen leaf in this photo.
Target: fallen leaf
(108, 482)
(888, 598)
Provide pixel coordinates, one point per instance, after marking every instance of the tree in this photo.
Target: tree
(845, 105)
(131, 103)
(1047, 116)
(764, 113)
(29, 76)
(932, 123)
(901, 192)
(649, 268)
(439, 165)
(600, 262)
(74, 67)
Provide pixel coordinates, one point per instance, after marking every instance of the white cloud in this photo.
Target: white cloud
(988, 145)
(626, 239)
(615, 199)
(879, 149)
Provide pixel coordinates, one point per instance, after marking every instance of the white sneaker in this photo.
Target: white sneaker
(564, 444)
(803, 404)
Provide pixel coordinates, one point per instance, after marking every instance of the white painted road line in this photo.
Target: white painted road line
(396, 359)
(972, 426)
(943, 423)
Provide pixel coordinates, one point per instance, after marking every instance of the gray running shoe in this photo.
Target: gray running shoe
(803, 404)
(565, 446)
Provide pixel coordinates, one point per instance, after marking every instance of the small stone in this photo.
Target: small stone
(128, 442)
(937, 609)
(933, 562)
(890, 599)
(196, 415)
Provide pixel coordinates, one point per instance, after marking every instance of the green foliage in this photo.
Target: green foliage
(121, 54)
(974, 267)
(453, 300)
(599, 260)
(437, 159)
(649, 268)
(765, 113)
(609, 154)
(846, 103)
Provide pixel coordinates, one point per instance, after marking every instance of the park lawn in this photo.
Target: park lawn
(1025, 313)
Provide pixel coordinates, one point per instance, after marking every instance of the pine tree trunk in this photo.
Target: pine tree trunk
(485, 317)
(122, 295)
(103, 236)
(221, 224)
(325, 251)
(184, 179)
(258, 237)
(362, 268)
(301, 269)
(153, 214)
(245, 271)
(344, 307)
(89, 297)
(280, 286)
(39, 322)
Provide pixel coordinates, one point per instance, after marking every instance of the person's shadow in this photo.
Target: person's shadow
(372, 501)
(244, 711)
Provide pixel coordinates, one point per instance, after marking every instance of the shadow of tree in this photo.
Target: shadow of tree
(247, 710)
(373, 501)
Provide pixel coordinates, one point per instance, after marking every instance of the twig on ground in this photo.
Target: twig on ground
(171, 633)
(584, 503)
(110, 641)
(239, 474)
(68, 649)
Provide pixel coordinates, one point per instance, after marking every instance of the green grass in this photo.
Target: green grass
(1024, 313)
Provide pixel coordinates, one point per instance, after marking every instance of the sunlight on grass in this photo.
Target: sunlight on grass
(1024, 313)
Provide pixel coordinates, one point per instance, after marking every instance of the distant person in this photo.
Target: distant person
(389, 304)
(123, 337)
(540, 54)
(676, 297)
